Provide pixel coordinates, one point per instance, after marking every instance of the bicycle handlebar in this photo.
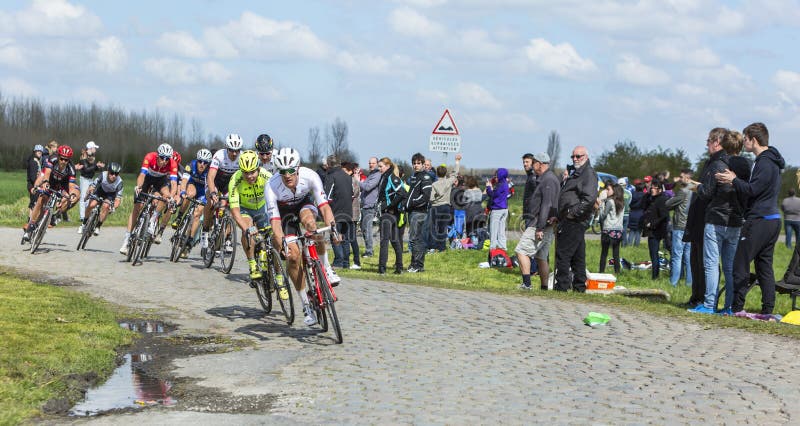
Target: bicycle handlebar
(295, 238)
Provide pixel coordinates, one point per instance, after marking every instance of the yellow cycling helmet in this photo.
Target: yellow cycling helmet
(248, 161)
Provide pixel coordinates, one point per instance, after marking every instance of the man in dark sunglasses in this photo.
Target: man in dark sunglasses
(575, 209)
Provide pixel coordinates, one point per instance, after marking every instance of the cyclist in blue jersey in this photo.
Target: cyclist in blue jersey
(193, 186)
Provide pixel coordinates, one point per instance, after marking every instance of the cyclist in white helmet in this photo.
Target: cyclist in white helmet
(295, 196)
(224, 163)
(159, 173)
(193, 186)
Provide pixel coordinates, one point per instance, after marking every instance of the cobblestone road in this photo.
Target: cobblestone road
(424, 355)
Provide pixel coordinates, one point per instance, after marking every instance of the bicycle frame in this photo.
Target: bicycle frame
(308, 250)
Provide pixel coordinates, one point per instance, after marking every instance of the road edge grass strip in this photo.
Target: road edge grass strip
(55, 342)
(457, 269)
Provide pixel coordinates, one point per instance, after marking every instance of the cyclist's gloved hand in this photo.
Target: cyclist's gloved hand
(137, 190)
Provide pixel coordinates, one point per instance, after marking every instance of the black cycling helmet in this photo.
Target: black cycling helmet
(115, 168)
(264, 143)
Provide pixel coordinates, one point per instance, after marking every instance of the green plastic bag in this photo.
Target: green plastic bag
(595, 319)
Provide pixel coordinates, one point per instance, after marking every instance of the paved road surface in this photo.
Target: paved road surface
(423, 355)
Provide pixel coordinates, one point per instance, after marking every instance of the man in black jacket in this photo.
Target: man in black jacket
(417, 208)
(763, 221)
(575, 203)
(530, 186)
(722, 219)
(339, 189)
(535, 241)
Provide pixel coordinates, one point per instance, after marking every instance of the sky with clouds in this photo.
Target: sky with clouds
(661, 73)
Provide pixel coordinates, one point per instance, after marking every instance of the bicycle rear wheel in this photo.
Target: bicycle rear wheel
(264, 295)
(140, 240)
(41, 228)
(178, 239)
(327, 300)
(228, 238)
(280, 282)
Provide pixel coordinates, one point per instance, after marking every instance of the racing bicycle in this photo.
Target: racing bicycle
(274, 277)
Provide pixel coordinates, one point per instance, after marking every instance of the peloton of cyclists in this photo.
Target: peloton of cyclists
(108, 188)
(295, 196)
(224, 164)
(58, 174)
(159, 173)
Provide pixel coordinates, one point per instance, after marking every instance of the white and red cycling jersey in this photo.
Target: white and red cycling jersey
(150, 167)
(224, 165)
(309, 190)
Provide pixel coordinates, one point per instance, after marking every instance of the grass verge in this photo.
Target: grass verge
(50, 337)
(458, 269)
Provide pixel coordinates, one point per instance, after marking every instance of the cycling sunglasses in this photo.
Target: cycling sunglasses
(285, 172)
(203, 162)
(265, 153)
(165, 157)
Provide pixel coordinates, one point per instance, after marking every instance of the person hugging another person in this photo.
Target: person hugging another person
(654, 223)
(611, 205)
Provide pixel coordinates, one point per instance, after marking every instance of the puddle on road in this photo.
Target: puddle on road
(129, 386)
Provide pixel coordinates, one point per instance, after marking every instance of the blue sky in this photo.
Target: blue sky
(656, 72)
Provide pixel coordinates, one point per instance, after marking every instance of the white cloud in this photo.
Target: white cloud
(675, 50)
(633, 71)
(691, 90)
(561, 60)
(477, 43)
(432, 96)
(177, 72)
(14, 86)
(181, 43)
(270, 93)
(408, 22)
(364, 63)
(728, 79)
(11, 54)
(51, 18)
(262, 38)
(90, 95)
(111, 55)
(166, 102)
(424, 3)
(476, 96)
(788, 83)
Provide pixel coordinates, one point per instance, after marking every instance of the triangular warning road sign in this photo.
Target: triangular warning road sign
(446, 125)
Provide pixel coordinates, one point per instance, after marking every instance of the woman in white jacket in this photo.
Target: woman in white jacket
(611, 203)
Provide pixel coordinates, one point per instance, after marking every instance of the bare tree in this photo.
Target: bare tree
(336, 137)
(554, 146)
(314, 146)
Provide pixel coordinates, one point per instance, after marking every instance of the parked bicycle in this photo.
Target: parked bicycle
(321, 296)
(92, 221)
(182, 238)
(274, 277)
(48, 210)
(221, 239)
(145, 229)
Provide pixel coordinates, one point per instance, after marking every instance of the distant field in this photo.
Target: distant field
(14, 201)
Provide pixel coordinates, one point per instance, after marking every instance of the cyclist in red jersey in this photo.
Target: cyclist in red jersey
(58, 174)
(159, 173)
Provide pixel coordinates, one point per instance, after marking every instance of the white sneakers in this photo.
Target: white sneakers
(228, 246)
(204, 240)
(310, 318)
(124, 248)
(96, 231)
(80, 229)
(333, 278)
(355, 267)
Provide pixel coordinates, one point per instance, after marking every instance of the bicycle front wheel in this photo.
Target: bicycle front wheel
(41, 228)
(227, 250)
(327, 301)
(280, 282)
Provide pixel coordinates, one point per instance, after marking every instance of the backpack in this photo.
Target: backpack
(498, 258)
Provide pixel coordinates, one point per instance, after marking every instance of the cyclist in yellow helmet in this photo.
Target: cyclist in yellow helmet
(247, 203)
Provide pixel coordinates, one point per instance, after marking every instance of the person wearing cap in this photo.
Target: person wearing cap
(34, 168)
(535, 241)
(88, 166)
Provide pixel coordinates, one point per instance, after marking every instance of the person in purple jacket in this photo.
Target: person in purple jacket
(497, 191)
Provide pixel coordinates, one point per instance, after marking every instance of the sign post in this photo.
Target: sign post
(445, 136)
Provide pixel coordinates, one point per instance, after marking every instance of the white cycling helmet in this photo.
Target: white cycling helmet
(164, 150)
(286, 158)
(234, 142)
(204, 155)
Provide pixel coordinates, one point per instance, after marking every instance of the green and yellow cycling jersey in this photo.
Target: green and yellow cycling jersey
(246, 195)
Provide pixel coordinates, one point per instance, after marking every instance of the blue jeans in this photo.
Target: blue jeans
(680, 255)
(791, 227)
(719, 242)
